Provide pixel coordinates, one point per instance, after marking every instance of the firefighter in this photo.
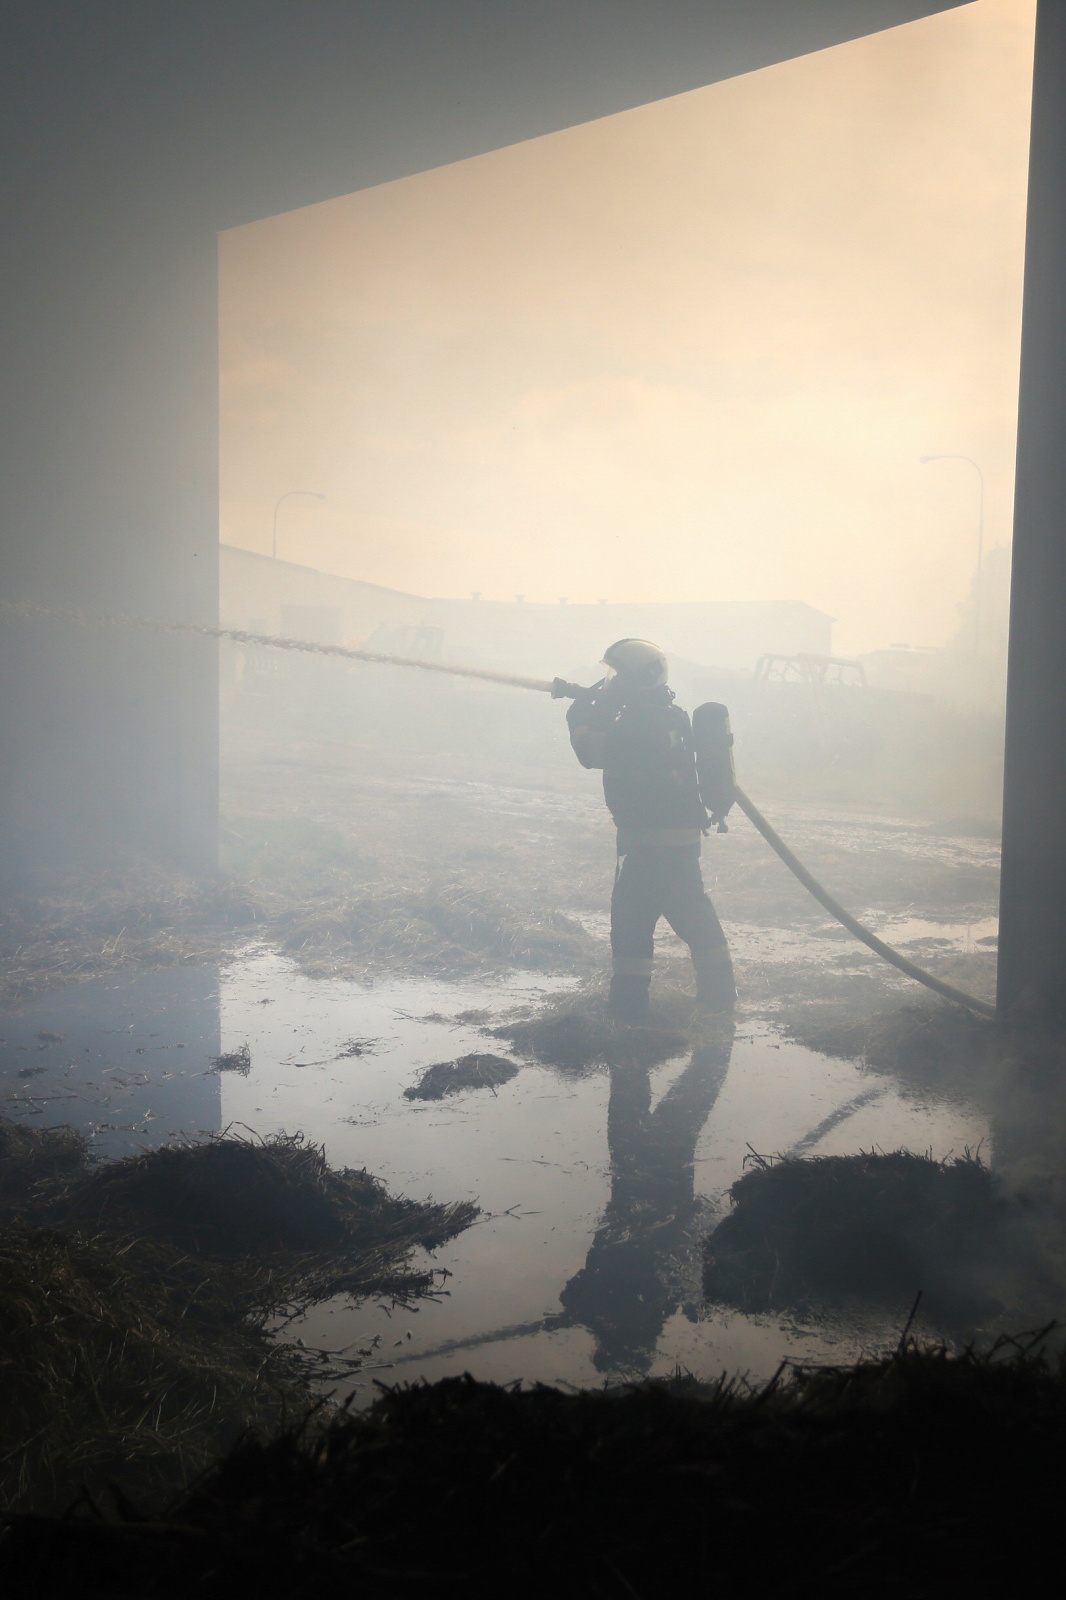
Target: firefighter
(629, 726)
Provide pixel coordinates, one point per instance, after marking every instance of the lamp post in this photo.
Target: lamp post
(925, 460)
(314, 496)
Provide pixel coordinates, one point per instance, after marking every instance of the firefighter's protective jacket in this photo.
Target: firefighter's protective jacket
(644, 745)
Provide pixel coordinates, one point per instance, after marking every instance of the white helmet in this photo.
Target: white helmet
(638, 663)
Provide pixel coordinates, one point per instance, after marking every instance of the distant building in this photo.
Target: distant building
(263, 595)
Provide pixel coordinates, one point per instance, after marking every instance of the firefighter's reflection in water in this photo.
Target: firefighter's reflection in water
(634, 1276)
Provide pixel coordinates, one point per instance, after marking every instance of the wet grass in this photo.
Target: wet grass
(923, 1473)
(108, 1377)
(137, 1297)
(335, 914)
(95, 924)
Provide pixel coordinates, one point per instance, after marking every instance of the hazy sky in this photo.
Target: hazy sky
(692, 351)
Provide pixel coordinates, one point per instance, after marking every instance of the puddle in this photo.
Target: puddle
(596, 1190)
(125, 1062)
(915, 932)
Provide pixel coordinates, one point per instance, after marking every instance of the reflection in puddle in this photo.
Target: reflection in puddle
(981, 934)
(596, 1190)
(628, 1285)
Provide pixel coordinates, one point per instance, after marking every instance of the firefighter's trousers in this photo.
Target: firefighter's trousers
(665, 881)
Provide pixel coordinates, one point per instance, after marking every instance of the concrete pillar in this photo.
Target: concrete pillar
(1032, 948)
(109, 505)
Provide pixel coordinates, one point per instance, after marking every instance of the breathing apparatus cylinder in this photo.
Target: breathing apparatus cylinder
(712, 740)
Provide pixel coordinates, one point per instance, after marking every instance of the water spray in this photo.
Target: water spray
(559, 689)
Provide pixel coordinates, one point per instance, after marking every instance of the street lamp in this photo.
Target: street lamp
(925, 460)
(314, 496)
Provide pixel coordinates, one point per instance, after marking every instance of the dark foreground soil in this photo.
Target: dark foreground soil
(922, 1474)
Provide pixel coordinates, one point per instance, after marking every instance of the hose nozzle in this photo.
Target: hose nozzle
(561, 690)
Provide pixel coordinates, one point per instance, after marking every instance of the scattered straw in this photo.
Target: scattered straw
(239, 1061)
(446, 929)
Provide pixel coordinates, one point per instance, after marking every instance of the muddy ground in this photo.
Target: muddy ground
(428, 862)
(361, 859)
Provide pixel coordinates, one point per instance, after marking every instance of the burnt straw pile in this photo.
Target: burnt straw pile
(920, 1474)
(136, 1297)
(274, 1203)
(879, 1225)
(32, 1160)
(469, 1072)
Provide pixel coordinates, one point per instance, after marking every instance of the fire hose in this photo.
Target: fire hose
(558, 689)
(853, 925)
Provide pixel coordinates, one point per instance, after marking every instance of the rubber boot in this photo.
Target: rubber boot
(628, 998)
(716, 988)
